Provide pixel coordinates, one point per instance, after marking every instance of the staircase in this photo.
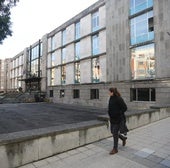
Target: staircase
(16, 97)
(20, 97)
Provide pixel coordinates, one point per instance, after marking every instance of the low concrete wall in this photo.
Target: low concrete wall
(20, 148)
(148, 116)
(135, 119)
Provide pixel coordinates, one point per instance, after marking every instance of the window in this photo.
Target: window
(94, 94)
(142, 94)
(77, 51)
(95, 44)
(62, 93)
(51, 93)
(143, 62)
(53, 59)
(150, 23)
(95, 70)
(63, 74)
(76, 93)
(63, 37)
(34, 68)
(35, 52)
(77, 72)
(95, 21)
(52, 77)
(21, 60)
(77, 30)
(142, 29)
(63, 55)
(34, 62)
(17, 62)
(53, 43)
(139, 5)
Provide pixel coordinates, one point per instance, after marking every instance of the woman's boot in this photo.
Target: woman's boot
(123, 138)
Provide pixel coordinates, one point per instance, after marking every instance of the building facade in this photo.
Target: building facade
(77, 57)
(16, 71)
(2, 76)
(110, 44)
(140, 52)
(27, 70)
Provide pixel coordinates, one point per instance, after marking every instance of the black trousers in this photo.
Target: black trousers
(115, 132)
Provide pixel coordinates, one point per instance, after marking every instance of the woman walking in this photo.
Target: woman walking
(116, 109)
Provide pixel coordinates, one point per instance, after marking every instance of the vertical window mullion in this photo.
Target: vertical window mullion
(149, 94)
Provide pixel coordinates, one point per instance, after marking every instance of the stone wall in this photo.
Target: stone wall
(20, 148)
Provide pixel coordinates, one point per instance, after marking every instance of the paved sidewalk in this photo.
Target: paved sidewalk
(148, 146)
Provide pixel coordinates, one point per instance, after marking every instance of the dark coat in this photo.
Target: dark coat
(116, 109)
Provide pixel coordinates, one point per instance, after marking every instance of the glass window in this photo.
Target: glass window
(150, 25)
(53, 43)
(95, 70)
(95, 44)
(53, 59)
(52, 77)
(142, 94)
(63, 74)
(35, 53)
(139, 5)
(77, 30)
(77, 51)
(63, 37)
(62, 93)
(51, 93)
(142, 28)
(63, 55)
(34, 68)
(94, 93)
(16, 62)
(95, 21)
(76, 93)
(77, 72)
(143, 62)
(20, 60)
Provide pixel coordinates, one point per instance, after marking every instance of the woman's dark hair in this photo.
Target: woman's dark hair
(114, 91)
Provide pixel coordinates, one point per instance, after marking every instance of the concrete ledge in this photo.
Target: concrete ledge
(140, 118)
(19, 148)
(41, 132)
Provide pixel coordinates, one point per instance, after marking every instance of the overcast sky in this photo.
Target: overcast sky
(33, 18)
